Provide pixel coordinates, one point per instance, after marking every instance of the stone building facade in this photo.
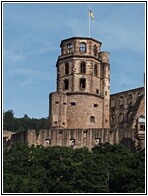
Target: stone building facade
(126, 107)
(81, 111)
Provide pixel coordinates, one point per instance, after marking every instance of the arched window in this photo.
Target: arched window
(95, 70)
(83, 67)
(129, 115)
(66, 84)
(138, 95)
(113, 119)
(69, 47)
(92, 119)
(130, 99)
(66, 68)
(82, 48)
(82, 83)
(95, 50)
(121, 100)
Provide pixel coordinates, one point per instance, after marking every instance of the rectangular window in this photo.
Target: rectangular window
(142, 127)
(73, 103)
(82, 83)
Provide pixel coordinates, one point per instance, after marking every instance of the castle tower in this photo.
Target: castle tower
(83, 86)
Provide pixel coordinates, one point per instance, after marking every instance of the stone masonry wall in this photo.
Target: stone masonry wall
(126, 107)
(77, 138)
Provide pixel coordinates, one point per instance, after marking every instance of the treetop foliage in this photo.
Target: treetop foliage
(10, 123)
(106, 168)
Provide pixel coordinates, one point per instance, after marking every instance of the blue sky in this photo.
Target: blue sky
(32, 33)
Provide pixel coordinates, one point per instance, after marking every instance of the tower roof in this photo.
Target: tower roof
(88, 38)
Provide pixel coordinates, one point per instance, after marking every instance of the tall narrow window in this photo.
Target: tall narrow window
(82, 48)
(121, 117)
(82, 83)
(97, 91)
(95, 51)
(113, 119)
(69, 47)
(66, 84)
(67, 68)
(83, 67)
(95, 70)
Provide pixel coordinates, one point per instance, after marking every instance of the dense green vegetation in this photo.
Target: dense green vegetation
(107, 168)
(10, 123)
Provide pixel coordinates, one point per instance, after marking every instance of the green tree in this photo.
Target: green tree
(107, 168)
(8, 120)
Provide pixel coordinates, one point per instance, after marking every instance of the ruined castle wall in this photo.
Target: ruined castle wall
(126, 107)
(76, 138)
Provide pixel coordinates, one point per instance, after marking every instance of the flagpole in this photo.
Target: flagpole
(89, 21)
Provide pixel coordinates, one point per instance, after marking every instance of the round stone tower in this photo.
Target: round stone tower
(83, 86)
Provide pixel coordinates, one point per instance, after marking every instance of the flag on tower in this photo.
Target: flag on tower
(91, 14)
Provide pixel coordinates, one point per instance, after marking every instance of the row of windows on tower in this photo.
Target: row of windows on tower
(82, 48)
(82, 84)
(82, 68)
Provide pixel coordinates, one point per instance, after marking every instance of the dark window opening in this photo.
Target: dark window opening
(95, 51)
(142, 127)
(83, 67)
(82, 48)
(63, 123)
(64, 103)
(60, 132)
(105, 120)
(106, 93)
(56, 102)
(66, 84)
(82, 83)
(95, 70)
(67, 68)
(55, 122)
(92, 119)
(73, 103)
(97, 91)
(95, 105)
